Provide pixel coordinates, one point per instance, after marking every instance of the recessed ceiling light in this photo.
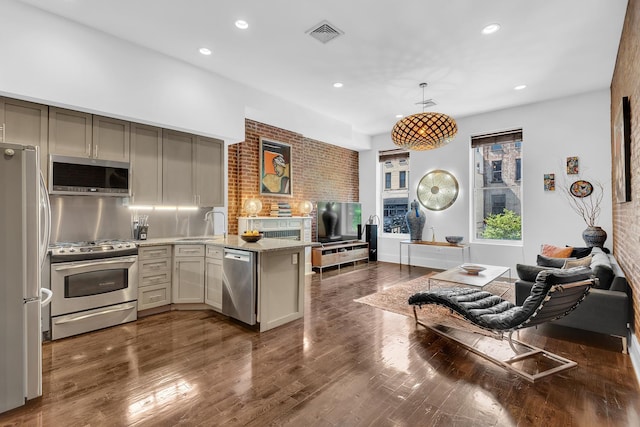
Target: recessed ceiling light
(205, 51)
(520, 87)
(243, 25)
(399, 116)
(337, 84)
(491, 28)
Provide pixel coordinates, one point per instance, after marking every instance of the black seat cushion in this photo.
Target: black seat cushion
(492, 312)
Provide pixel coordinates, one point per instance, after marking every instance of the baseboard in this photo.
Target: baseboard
(634, 353)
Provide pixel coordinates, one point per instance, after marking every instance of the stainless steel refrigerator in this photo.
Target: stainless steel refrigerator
(24, 240)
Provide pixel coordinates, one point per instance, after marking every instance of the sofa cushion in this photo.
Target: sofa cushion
(602, 269)
(580, 252)
(580, 262)
(546, 261)
(556, 251)
(529, 272)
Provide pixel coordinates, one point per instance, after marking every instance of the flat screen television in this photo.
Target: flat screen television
(338, 221)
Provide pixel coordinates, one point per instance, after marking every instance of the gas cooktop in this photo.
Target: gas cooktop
(105, 248)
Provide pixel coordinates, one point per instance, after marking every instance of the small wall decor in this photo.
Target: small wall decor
(581, 188)
(549, 182)
(622, 152)
(275, 168)
(572, 166)
(437, 190)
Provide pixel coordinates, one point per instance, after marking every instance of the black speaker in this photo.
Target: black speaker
(371, 236)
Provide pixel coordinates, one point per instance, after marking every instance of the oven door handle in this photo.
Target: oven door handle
(88, 316)
(96, 264)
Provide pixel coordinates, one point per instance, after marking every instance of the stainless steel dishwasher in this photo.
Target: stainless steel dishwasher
(239, 285)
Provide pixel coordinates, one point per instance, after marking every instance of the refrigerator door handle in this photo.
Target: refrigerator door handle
(48, 296)
(46, 234)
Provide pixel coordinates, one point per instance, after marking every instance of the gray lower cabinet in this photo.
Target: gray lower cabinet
(188, 274)
(26, 123)
(154, 272)
(213, 277)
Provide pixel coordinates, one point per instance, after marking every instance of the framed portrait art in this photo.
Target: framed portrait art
(275, 168)
(622, 152)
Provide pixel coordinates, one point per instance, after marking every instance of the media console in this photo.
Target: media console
(338, 253)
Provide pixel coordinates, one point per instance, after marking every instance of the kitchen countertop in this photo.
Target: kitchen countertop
(231, 241)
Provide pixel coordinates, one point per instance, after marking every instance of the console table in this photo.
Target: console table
(462, 248)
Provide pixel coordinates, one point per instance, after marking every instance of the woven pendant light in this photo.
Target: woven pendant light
(424, 131)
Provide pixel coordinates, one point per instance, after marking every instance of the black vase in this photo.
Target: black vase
(330, 220)
(594, 236)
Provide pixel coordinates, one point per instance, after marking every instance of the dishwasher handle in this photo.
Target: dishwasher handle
(242, 256)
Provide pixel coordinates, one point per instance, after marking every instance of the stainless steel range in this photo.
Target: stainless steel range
(94, 285)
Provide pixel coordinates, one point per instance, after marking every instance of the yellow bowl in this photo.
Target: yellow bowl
(250, 238)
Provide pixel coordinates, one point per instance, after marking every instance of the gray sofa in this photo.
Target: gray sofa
(605, 310)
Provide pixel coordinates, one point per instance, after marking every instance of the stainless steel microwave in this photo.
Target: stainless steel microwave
(84, 176)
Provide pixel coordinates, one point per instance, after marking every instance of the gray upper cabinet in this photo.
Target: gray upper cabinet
(78, 134)
(110, 139)
(209, 171)
(177, 168)
(70, 132)
(146, 164)
(26, 123)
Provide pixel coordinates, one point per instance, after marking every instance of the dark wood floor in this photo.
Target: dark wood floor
(346, 364)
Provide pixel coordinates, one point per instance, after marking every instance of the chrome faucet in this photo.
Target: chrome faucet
(208, 217)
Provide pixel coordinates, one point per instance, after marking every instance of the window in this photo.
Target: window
(395, 195)
(496, 171)
(497, 190)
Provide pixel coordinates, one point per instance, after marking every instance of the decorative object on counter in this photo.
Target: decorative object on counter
(252, 206)
(572, 166)
(588, 207)
(275, 168)
(549, 182)
(415, 221)
(472, 269)
(437, 190)
(306, 207)
(424, 131)
(251, 238)
(622, 151)
(453, 239)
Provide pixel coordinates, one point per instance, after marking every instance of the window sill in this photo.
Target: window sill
(512, 243)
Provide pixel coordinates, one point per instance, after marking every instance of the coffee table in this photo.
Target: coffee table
(458, 276)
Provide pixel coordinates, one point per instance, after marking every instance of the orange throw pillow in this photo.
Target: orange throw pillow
(556, 252)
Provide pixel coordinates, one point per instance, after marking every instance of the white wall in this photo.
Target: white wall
(55, 61)
(552, 131)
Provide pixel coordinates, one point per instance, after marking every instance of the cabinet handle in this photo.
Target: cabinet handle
(156, 265)
(96, 155)
(153, 253)
(3, 127)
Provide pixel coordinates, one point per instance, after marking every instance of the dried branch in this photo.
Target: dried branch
(587, 207)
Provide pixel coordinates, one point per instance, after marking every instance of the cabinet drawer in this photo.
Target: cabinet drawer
(214, 252)
(188, 250)
(150, 266)
(153, 296)
(152, 279)
(147, 252)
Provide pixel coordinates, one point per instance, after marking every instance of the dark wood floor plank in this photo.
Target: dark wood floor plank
(344, 364)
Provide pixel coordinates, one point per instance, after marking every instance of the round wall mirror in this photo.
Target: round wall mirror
(437, 190)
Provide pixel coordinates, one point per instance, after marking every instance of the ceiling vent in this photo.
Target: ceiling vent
(324, 32)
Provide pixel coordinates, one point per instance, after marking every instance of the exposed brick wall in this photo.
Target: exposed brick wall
(626, 220)
(320, 171)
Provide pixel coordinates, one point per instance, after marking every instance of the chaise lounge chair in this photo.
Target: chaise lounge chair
(555, 294)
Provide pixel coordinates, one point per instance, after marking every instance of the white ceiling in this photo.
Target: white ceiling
(557, 48)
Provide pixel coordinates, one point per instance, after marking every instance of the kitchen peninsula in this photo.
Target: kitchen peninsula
(193, 269)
